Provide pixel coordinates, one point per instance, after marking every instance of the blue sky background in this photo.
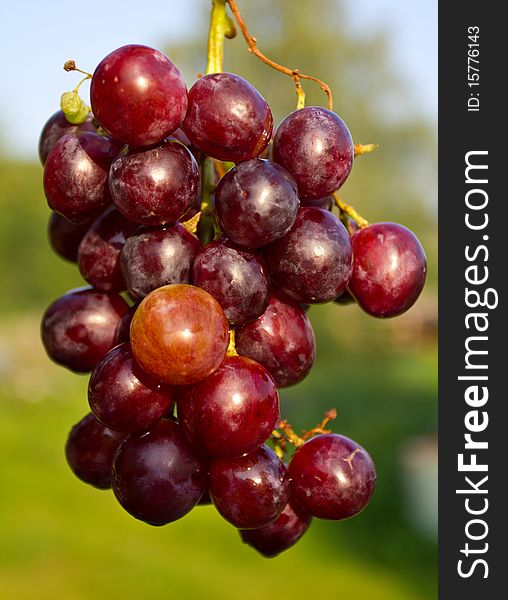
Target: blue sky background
(37, 37)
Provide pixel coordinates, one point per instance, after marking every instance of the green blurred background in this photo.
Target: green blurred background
(60, 538)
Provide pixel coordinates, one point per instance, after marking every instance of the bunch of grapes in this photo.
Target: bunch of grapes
(203, 246)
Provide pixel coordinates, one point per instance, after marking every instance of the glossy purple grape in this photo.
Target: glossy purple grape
(227, 118)
(90, 449)
(65, 237)
(157, 476)
(157, 257)
(256, 203)
(231, 412)
(76, 175)
(125, 398)
(280, 535)
(250, 491)
(157, 185)
(332, 477)
(390, 268)
(237, 279)
(99, 251)
(315, 146)
(56, 127)
(79, 328)
(138, 95)
(313, 262)
(282, 340)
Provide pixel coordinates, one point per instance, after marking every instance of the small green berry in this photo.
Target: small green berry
(73, 107)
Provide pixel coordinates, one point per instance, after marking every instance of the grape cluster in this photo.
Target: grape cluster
(188, 333)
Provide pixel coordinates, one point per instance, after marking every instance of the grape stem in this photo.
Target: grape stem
(329, 416)
(293, 73)
(300, 94)
(288, 435)
(279, 444)
(231, 351)
(220, 170)
(206, 224)
(192, 224)
(365, 148)
(349, 211)
(70, 65)
(221, 26)
(208, 183)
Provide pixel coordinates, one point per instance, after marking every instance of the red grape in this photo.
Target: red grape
(237, 279)
(80, 327)
(250, 491)
(389, 269)
(315, 146)
(65, 237)
(232, 411)
(56, 127)
(155, 186)
(179, 334)
(99, 251)
(157, 476)
(138, 95)
(282, 340)
(76, 174)
(280, 535)
(157, 257)
(332, 477)
(227, 118)
(256, 203)
(313, 262)
(90, 449)
(122, 396)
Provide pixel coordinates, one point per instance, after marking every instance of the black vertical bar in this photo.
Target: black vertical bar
(463, 130)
